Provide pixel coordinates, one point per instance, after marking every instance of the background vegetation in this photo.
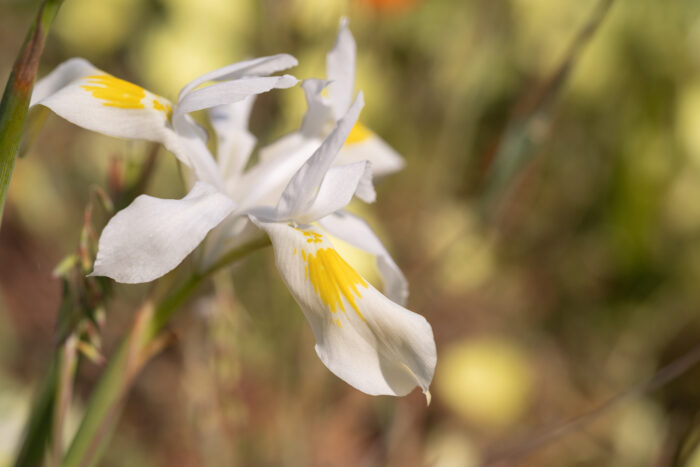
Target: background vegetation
(549, 226)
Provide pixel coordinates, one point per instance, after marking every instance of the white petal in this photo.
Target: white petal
(62, 75)
(319, 117)
(190, 146)
(264, 183)
(355, 231)
(262, 66)
(340, 70)
(231, 91)
(286, 145)
(369, 341)
(152, 236)
(114, 107)
(301, 191)
(364, 144)
(338, 187)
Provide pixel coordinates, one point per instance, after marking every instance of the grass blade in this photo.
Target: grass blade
(18, 91)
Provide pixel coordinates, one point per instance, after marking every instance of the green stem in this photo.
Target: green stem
(38, 429)
(15, 99)
(104, 407)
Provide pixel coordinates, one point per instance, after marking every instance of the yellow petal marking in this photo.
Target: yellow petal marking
(358, 134)
(115, 92)
(163, 107)
(312, 237)
(334, 280)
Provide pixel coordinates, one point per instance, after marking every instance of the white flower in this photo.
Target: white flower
(371, 342)
(368, 340)
(152, 236)
(93, 99)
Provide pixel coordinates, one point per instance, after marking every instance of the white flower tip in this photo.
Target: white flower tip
(287, 81)
(290, 60)
(428, 397)
(360, 99)
(365, 188)
(344, 22)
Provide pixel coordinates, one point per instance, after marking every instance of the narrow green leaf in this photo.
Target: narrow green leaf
(18, 91)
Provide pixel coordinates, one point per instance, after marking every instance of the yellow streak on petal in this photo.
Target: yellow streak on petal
(165, 108)
(358, 134)
(333, 279)
(115, 92)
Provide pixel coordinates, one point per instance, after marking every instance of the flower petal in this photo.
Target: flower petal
(152, 236)
(319, 118)
(340, 70)
(301, 191)
(112, 106)
(262, 66)
(363, 337)
(231, 91)
(264, 183)
(62, 75)
(364, 144)
(355, 231)
(338, 187)
(234, 142)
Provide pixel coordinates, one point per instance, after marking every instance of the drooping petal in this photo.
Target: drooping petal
(340, 70)
(152, 236)
(109, 105)
(364, 144)
(62, 75)
(338, 187)
(369, 341)
(301, 191)
(355, 231)
(262, 66)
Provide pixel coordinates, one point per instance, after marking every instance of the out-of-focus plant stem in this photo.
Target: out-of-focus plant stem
(39, 425)
(18, 92)
(525, 132)
(67, 364)
(142, 343)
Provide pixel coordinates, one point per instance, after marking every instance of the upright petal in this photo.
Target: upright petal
(363, 337)
(152, 236)
(301, 191)
(234, 142)
(319, 117)
(340, 70)
(338, 187)
(355, 231)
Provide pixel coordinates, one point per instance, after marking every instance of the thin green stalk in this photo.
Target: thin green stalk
(104, 407)
(38, 429)
(67, 365)
(15, 100)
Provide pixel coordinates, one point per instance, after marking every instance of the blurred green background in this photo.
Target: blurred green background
(576, 281)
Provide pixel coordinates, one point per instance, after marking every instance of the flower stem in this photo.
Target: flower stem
(104, 407)
(15, 100)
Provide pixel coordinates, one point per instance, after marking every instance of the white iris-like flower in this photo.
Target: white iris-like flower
(88, 97)
(368, 340)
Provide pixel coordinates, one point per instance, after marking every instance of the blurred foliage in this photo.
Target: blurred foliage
(582, 284)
